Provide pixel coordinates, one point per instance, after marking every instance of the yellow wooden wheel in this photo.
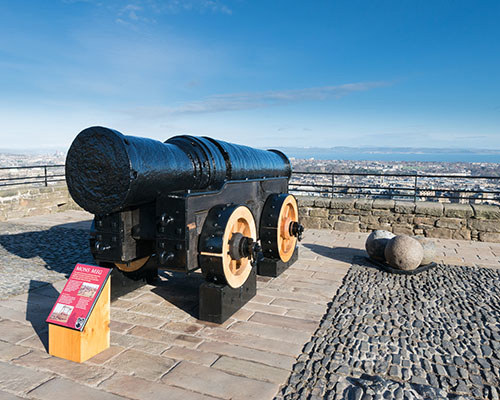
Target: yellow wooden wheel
(241, 222)
(279, 217)
(133, 265)
(224, 252)
(289, 214)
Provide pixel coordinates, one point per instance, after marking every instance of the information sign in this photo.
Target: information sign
(75, 303)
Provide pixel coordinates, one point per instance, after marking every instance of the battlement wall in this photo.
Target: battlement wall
(430, 219)
(29, 201)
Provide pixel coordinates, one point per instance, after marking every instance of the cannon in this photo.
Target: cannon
(186, 204)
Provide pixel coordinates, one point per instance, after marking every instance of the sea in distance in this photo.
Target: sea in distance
(396, 154)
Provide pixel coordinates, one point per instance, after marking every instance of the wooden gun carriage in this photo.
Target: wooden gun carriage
(189, 203)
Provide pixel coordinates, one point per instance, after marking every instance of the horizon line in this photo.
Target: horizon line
(413, 149)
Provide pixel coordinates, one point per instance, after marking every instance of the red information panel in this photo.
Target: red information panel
(76, 301)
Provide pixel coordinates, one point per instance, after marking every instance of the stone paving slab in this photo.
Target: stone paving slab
(159, 349)
(139, 389)
(58, 387)
(217, 383)
(8, 396)
(19, 380)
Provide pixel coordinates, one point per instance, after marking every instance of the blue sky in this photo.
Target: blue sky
(262, 73)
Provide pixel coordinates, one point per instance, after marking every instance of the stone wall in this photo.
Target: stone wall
(449, 221)
(26, 201)
(431, 219)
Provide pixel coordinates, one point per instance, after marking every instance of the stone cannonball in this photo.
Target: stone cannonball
(404, 252)
(376, 242)
(429, 250)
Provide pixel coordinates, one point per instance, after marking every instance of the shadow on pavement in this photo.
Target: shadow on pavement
(120, 284)
(80, 225)
(345, 254)
(38, 308)
(180, 290)
(59, 247)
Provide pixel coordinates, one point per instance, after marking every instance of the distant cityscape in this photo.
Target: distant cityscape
(401, 167)
(444, 189)
(15, 159)
(463, 190)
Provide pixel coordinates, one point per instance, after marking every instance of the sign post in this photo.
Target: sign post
(79, 320)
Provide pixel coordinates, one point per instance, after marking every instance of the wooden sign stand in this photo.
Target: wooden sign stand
(79, 346)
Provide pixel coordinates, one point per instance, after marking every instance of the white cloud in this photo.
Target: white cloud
(177, 6)
(253, 100)
(131, 11)
(144, 12)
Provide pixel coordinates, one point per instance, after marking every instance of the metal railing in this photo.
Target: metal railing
(38, 175)
(454, 187)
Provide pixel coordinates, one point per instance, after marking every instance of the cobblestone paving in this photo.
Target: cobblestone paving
(32, 256)
(433, 335)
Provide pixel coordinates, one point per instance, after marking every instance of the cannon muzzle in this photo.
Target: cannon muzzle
(107, 171)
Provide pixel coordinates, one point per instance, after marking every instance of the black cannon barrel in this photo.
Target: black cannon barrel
(107, 171)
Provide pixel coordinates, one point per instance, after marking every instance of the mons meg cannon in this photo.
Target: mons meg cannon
(189, 203)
